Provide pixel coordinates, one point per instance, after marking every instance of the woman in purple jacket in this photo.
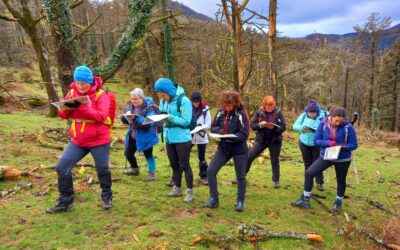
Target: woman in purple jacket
(334, 131)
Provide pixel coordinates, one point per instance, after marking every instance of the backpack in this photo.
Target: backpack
(193, 122)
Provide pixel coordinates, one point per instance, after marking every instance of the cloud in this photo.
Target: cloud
(299, 18)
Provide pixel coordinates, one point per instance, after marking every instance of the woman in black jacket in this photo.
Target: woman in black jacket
(269, 124)
(230, 119)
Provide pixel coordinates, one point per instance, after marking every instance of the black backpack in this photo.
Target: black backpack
(193, 122)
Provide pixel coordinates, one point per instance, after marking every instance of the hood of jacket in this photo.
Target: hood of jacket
(166, 86)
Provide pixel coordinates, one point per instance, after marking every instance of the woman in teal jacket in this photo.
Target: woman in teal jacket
(177, 133)
(306, 125)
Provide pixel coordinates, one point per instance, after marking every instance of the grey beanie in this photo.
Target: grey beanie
(138, 92)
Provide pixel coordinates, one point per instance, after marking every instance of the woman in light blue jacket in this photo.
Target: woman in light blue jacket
(306, 125)
(177, 133)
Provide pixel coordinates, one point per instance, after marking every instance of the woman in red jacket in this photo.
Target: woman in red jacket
(90, 133)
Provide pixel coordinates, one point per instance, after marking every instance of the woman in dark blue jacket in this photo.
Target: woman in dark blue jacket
(334, 131)
(140, 137)
(230, 119)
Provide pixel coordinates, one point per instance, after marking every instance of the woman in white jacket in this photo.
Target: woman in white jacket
(203, 117)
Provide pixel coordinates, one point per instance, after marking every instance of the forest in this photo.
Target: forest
(132, 43)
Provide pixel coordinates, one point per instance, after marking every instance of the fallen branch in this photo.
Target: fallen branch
(255, 233)
(370, 235)
(325, 207)
(382, 207)
(12, 191)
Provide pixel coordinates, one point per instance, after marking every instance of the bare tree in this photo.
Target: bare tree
(370, 34)
(31, 25)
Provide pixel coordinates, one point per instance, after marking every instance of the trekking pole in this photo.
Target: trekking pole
(353, 162)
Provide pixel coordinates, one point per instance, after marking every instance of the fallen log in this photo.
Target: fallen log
(255, 233)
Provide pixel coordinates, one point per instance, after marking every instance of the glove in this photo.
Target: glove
(139, 119)
(221, 131)
(332, 143)
(73, 105)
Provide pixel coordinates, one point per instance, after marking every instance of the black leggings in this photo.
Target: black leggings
(179, 155)
(131, 150)
(217, 162)
(341, 169)
(274, 151)
(311, 154)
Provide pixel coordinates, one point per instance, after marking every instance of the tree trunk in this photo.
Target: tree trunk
(371, 86)
(59, 16)
(346, 87)
(150, 73)
(168, 49)
(271, 48)
(235, 71)
(32, 28)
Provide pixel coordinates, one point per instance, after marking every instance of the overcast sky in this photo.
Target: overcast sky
(297, 18)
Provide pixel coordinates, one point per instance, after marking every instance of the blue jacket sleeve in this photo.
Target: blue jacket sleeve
(186, 113)
(298, 125)
(352, 142)
(319, 137)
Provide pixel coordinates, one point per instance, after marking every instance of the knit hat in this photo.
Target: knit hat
(166, 86)
(138, 92)
(83, 74)
(312, 106)
(196, 97)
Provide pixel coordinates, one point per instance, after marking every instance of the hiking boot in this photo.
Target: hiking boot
(150, 177)
(175, 192)
(107, 204)
(132, 171)
(239, 206)
(337, 206)
(212, 203)
(189, 195)
(60, 208)
(170, 183)
(204, 181)
(320, 187)
(304, 202)
(276, 184)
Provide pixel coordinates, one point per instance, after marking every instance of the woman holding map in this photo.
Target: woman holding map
(90, 133)
(231, 124)
(337, 138)
(140, 137)
(269, 124)
(306, 124)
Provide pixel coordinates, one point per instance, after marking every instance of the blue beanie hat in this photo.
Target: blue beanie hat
(166, 86)
(312, 106)
(83, 74)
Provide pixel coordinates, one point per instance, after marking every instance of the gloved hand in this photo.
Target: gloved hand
(73, 105)
(221, 131)
(139, 119)
(332, 143)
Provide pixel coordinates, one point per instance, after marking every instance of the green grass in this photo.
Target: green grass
(142, 208)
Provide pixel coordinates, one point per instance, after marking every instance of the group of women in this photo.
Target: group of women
(319, 132)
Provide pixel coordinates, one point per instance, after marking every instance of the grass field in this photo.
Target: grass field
(141, 209)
